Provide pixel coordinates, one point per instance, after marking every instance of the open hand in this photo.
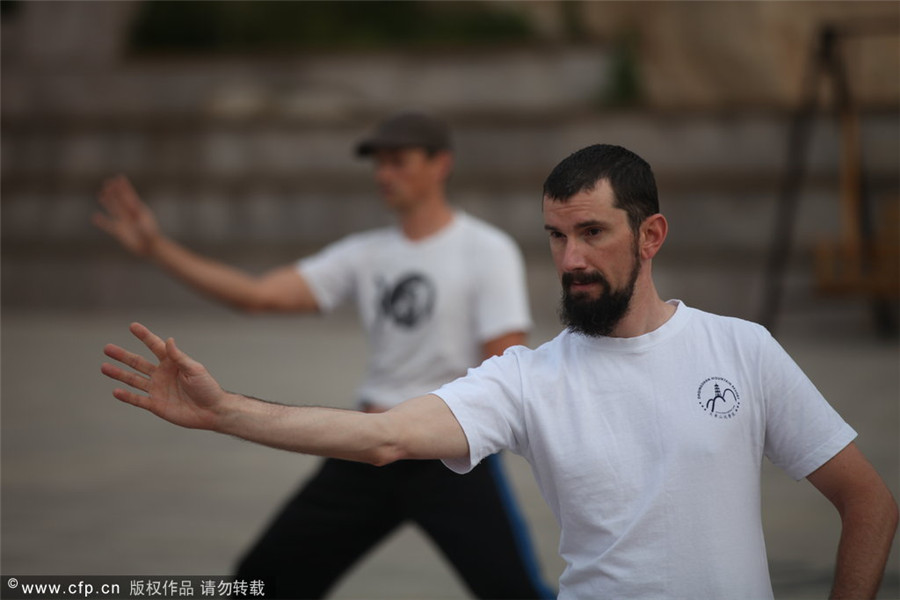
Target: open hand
(178, 388)
(127, 218)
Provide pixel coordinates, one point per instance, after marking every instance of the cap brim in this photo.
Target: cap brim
(367, 148)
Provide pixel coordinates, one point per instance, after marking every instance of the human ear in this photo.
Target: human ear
(444, 161)
(654, 230)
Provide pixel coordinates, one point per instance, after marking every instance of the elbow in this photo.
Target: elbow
(890, 513)
(386, 454)
(248, 304)
(879, 509)
(387, 445)
(382, 457)
(893, 514)
(258, 304)
(267, 303)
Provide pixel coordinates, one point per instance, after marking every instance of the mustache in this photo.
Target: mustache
(569, 279)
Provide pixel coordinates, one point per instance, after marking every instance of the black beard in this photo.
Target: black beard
(595, 316)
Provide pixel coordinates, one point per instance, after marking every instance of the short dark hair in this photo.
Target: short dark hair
(629, 176)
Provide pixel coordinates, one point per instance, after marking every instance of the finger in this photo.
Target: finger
(111, 198)
(102, 222)
(120, 198)
(125, 186)
(135, 361)
(130, 397)
(128, 196)
(150, 339)
(127, 377)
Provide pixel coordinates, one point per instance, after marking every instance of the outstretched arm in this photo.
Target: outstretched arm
(868, 521)
(180, 390)
(131, 222)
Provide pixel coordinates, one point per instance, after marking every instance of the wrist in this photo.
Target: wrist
(245, 417)
(230, 412)
(153, 247)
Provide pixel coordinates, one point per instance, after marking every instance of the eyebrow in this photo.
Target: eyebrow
(581, 225)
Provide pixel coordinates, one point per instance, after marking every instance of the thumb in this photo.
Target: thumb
(184, 362)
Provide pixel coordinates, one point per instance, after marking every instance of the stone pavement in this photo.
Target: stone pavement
(93, 487)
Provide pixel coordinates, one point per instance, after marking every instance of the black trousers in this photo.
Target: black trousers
(347, 508)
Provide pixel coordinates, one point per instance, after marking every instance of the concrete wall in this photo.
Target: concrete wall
(250, 159)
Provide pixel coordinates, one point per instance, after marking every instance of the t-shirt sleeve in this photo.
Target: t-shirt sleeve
(330, 272)
(487, 403)
(803, 431)
(501, 292)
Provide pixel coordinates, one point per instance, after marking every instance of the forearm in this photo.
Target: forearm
(213, 279)
(180, 390)
(336, 433)
(866, 536)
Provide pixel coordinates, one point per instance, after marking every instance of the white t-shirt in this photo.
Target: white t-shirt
(427, 306)
(648, 449)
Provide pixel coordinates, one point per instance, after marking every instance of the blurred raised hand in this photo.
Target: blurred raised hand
(126, 218)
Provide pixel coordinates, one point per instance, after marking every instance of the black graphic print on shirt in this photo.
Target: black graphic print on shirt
(408, 301)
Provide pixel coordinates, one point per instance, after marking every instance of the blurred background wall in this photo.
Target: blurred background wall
(236, 121)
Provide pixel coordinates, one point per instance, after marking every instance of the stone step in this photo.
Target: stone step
(323, 87)
(215, 181)
(488, 144)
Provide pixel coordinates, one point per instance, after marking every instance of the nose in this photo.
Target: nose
(382, 173)
(572, 257)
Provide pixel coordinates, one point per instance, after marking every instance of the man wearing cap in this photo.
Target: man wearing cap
(437, 293)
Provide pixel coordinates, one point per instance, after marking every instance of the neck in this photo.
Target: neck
(425, 219)
(647, 311)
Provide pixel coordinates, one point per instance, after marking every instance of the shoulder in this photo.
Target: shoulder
(349, 252)
(735, 325)
(372, 236)
(364, 240)
(546, 355)
(482, 237)
(727, 331)
(477, 228)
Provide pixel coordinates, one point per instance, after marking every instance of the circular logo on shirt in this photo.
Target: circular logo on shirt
(409, 301)
(719, 398)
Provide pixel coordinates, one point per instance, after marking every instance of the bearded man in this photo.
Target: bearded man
(645, 421)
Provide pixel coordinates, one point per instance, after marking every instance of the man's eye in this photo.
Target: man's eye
(593, 231)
